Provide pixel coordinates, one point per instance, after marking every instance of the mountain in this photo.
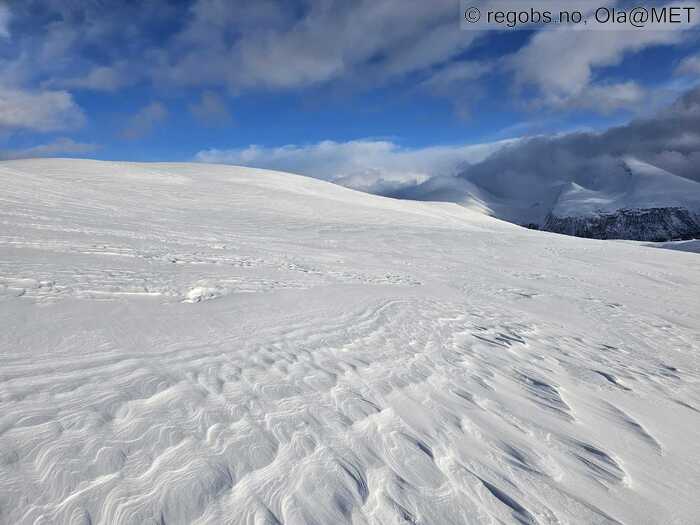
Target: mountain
(645, 224)
(649, 204)
(635, 200)
(193, 343)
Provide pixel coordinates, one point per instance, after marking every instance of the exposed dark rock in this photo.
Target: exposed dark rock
(650, 224)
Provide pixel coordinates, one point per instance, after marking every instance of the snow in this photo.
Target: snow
(685, 246)
(191, 343)
(646, 186)
(530, 198)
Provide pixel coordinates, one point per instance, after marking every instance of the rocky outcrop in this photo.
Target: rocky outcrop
(650, 224)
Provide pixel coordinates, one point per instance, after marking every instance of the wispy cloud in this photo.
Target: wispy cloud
(690, 65)
(211, 109)
(100, 78)
(144, 121)
(246, 45)
(58, 147)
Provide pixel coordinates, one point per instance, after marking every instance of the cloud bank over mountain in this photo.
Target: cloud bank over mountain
(376, 166)
(648, 163)
(669, 139)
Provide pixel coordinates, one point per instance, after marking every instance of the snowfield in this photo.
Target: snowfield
(192, 343)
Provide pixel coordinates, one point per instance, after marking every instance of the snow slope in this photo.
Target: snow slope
(645, 186)
(684, 246)
(578, 203)
(206, 344)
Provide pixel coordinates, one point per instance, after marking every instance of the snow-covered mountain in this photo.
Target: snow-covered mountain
(647, 204)
(634, 200)
(606, 184)
(192, 343)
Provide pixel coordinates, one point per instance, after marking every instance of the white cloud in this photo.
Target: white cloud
(458, 83)
(453, 75)
(365, 41)
(210, 109)
(38, 110)
(144, 121)
(100, 78)
(60, 146)
(370, 165)
(689, 66)
(338, 45)
(562, 64)
(245, 44)
(605, 98)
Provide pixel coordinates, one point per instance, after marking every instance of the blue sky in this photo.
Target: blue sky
(210, 79)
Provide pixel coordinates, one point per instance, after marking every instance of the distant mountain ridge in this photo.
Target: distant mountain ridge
(649, 224)
(652, 205)
(635, 200)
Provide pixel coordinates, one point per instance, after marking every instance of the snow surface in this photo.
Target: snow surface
(188, 343)
(645, 186)
(684, 246)
(530, 198)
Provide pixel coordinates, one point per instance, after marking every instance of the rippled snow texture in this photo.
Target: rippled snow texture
(207, 344)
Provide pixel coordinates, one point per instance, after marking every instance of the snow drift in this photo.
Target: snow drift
(207, 344)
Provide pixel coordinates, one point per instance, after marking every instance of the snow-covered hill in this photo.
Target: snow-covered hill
(191, 343)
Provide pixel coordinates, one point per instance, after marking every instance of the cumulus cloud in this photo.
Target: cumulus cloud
(144, 121)
(265, 44)
(562, 65)
(246, 44)
(38, 110)
(210, 109)
(378, 166)
(58, 147)
(85, 44)
(370, 39)
(339, 45)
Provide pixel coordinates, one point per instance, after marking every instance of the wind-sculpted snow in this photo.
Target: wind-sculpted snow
(205, 344)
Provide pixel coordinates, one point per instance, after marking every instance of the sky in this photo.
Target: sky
(372, 93)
